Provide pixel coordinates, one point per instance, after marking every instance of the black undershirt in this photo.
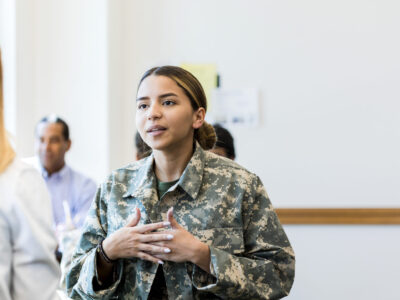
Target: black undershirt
(158, 289)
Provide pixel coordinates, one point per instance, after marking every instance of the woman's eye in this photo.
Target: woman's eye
(168, 102)
(142, 106)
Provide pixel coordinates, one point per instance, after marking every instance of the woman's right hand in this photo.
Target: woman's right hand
(135, 241)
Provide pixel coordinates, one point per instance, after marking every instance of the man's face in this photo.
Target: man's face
(51, 146)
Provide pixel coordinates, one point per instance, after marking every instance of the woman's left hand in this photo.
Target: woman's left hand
(184, 246)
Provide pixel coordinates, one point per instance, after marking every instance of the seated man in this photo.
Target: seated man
(71, 192)
(224, 145)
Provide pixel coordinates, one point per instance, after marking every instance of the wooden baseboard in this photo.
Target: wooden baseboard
(366, 216)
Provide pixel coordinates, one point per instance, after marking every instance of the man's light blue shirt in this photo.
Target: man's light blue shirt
(75, 189)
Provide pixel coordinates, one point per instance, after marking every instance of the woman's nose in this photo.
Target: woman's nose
(154, 111)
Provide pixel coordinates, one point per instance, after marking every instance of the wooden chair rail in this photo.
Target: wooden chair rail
(365, 216)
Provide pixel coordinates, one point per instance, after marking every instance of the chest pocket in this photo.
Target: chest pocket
(229, 239)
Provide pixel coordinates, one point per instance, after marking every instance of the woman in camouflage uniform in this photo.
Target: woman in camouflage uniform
(202, 227)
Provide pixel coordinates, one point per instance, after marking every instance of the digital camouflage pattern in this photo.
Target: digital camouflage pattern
(69, 239)
(219, 202)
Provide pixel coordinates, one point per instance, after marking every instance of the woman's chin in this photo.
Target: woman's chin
(158, 146)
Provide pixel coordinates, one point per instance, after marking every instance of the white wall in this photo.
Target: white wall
(121, 90)
(345, 262)
(68, 61)
(62, 68)
(328, 73)
(71, 75)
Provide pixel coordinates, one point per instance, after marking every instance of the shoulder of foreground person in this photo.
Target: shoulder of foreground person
(31, 230)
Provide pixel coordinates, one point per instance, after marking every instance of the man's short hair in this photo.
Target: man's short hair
(56, 119)
(225, 140)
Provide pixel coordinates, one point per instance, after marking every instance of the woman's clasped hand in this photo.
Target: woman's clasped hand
(156, 242)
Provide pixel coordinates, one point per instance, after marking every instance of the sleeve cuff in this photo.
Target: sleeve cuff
(202, 280)
(88, 283)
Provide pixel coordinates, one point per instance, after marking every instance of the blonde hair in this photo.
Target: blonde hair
(205, 135)
(7, 153)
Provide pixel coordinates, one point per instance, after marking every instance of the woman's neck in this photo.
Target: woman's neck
(169, 165)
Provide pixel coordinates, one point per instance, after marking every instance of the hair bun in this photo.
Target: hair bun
(206, 136)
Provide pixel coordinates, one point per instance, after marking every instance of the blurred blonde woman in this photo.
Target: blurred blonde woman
(28, 269)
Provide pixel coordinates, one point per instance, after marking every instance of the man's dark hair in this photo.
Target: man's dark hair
(225, 140)
(56, 119)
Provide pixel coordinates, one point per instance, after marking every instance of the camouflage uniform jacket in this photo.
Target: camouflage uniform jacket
(215, 199)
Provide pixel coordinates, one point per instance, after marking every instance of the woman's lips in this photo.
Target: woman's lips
(156, 130)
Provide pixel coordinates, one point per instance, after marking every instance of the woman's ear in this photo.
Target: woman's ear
(198, 117)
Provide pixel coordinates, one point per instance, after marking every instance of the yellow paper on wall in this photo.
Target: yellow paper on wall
(207, 75)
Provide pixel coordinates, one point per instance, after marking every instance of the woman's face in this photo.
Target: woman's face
(165, 118)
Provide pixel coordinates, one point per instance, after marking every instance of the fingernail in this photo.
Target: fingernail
(170, 236)
(160, 262)
(167, 223)
(166, 250)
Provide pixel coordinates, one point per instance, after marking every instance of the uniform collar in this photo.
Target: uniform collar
(190, 180)
(192, 176)
(145, 180)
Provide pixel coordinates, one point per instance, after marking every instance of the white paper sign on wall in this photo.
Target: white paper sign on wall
(235, 107)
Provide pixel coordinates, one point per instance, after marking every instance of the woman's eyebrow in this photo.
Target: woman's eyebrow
(161, 96)
(167, 95)
(142, 98)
